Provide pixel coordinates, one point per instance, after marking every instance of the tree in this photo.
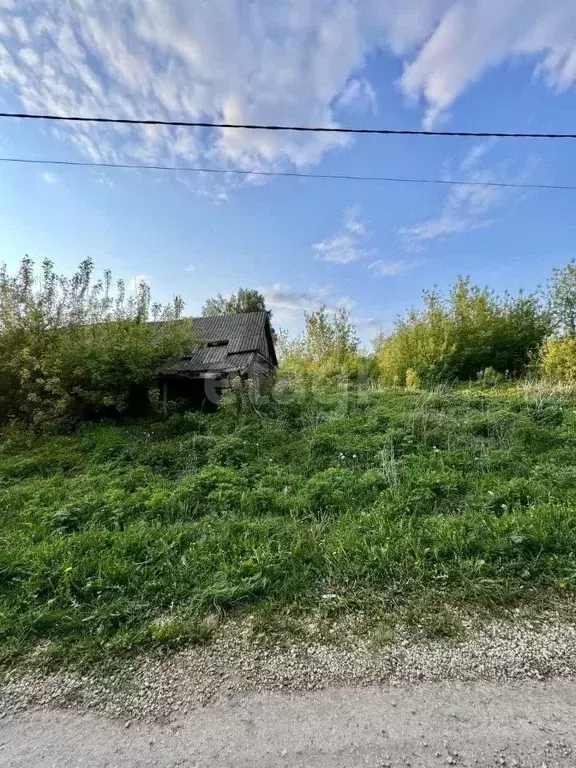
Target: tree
(245, 300)
(562, 299)
(329, 345)
(77, 347)
(459, 336)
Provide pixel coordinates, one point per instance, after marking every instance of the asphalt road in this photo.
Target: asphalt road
(479, 724)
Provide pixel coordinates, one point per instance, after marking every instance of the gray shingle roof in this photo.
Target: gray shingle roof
(242, 333)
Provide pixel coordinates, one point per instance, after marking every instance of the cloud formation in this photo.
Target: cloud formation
(347, 244)
(464, 208)
(282, 298)
(50, 178)
(475, 35)
(135, 282)
(299, 61)
(391, 267)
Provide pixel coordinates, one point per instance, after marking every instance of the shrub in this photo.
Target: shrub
(412, 379)
(489, 377)
(73, 348)
(470, 331)
(327, 348)
(559, 359)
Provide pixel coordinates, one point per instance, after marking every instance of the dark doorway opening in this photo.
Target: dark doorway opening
(195, 393)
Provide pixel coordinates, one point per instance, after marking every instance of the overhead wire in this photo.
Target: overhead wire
(298, 128)
(287, 174)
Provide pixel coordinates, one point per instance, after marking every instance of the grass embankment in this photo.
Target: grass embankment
(119, 538)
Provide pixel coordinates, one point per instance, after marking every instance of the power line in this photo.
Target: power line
(288, 174)
(300, 128)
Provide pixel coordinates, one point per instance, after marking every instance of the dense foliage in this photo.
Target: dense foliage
(328, 348)
(72, 348)
(330, 499)
(457, 337)
(559, 359)
(559, 353)
(380, 503)
(246, 300)
(562, 299)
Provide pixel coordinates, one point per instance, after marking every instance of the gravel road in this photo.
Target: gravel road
(531, 724)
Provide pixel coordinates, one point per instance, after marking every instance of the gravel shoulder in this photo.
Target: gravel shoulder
(240, 661)
(503, 695)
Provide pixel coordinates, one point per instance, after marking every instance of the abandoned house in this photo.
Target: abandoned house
(223, 347)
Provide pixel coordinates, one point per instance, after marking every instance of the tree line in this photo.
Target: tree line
(79, 347)
(468, 332)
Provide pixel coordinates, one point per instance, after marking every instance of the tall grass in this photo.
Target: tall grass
(125, 537)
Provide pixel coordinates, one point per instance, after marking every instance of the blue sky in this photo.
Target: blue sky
(467, 65)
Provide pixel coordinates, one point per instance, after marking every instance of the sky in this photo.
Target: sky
(372, 247)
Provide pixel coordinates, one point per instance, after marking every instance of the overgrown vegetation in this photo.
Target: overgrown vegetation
(126, 537)
(246, 300)
(458, 337)
(338, 493)
(328, 349)
(76, 348)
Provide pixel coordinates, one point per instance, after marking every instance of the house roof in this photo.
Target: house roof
(237, 340)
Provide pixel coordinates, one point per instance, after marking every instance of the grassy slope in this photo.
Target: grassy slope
(119, 538)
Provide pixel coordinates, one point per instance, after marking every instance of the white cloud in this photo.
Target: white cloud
(465, 207)
(298, 61)
(288, 305)
(282, 297)
(190, 268)
(391, 267)
(50, 178)
(476, 35)
(347, 244)
(138, 280)
(472, 158)
(358, 95)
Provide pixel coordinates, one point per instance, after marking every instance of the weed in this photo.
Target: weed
(385, 503)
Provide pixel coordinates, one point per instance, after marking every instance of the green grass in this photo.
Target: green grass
(379, 504)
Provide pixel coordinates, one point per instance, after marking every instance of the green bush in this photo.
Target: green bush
(559, 359)
(75, 348)
(412, 379)
(472, 330)
(488, 377)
